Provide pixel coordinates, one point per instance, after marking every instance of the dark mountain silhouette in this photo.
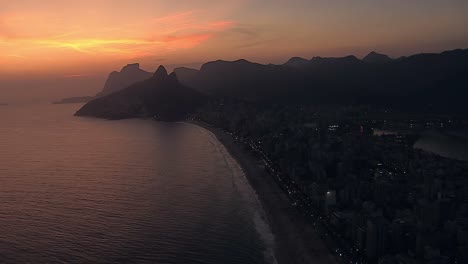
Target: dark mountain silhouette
(319, 62)
(242, 79)
(427, 81)
(187, 76)
(161, 96)
(296, 62)
(424, 81)
(271, 83)
(129, 75)
(375, 57)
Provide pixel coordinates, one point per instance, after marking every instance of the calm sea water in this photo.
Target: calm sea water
(81, 190)
(451, 144)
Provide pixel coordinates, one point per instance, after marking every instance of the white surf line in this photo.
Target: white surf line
(259, 217)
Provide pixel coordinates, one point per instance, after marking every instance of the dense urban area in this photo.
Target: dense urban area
(372, 197)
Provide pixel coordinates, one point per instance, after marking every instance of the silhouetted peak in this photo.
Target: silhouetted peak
(296, 62)
(375, 57)
(350, 57)
(161, 73)
(131, 67)
(297, 59)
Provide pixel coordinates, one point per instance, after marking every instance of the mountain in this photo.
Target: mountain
(74, 100)
(242, 79)
(250, 81)
(423, 81)
(189, 77)
(375, 57)
(320, 63)
(129, 75)
(317, 62)
(161, 96)
(296, 62)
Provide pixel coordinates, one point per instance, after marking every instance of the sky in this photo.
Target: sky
(55, 48)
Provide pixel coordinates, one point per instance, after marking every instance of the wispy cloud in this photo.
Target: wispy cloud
(16, 56)
(157, 35)
(79, 75)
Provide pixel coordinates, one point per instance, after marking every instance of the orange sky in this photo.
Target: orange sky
(68, 47)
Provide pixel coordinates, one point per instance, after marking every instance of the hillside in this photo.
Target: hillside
(129, 75)
(161, 97)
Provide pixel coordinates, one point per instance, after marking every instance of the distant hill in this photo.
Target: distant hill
(189, 77)
(436, 82)
(160, 96)
(241, 79)
(296, 62)
(74, 100)
(320, 63)
(129, 75)
(375, 57)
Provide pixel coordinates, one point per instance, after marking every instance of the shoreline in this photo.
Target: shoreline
(295, 239)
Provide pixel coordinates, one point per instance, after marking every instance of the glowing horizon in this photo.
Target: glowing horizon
(72, 44)
(52, 39)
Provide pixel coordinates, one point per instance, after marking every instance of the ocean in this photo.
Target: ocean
(84, 190)
(451, 144)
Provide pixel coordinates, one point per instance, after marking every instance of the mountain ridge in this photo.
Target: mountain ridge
(346, 79)
(422, 82)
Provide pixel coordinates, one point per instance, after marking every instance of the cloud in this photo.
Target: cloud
(256, 43)
(4, 31)
(37, 35)
(79, 75)
(245, 31)
(16, 56)
(175, 18)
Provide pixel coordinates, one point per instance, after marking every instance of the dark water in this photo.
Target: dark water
(446, 143)
(79, 190)
(451, 144)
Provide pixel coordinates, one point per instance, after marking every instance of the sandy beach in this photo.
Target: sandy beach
(295, 239)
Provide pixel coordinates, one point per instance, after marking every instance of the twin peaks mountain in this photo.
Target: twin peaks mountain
(423, 82)
(160, 96)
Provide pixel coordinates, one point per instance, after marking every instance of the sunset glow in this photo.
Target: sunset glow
(50, 39)
(35, 37)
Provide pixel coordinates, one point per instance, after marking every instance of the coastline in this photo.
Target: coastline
(295, 241)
